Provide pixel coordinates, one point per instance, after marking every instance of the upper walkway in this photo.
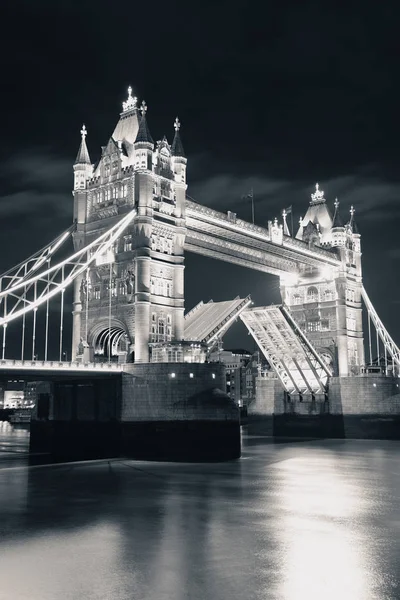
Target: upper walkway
(225, 237)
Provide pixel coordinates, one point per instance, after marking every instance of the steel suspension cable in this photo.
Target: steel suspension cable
(109, 316)
(23, 331)
(61, 313)
(47, 316)
(369, 339)
(4, 329)
(34, 322)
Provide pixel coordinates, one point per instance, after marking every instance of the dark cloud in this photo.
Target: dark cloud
(272, 96)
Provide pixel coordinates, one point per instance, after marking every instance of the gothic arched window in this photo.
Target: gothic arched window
(161, 327)
(312, 294)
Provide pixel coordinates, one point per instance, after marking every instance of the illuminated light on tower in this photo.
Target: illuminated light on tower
(318, 195)
(130, 103)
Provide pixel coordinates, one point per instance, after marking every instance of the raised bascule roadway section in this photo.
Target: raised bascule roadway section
(133, 224)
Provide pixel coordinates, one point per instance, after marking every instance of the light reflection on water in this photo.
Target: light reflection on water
(288, 522)
(324, 553)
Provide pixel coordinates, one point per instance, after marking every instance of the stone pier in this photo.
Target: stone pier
(367, 406)
(153, 411)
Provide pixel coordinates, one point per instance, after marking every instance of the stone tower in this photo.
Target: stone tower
(326, 302)
(134, 296)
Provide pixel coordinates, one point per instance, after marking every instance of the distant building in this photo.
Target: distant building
(30, 393)
(14, 394)
(235, 362)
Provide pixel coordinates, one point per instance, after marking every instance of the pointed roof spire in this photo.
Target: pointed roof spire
(144, 134)
(337, 221)
(352, 223)
(83, 157)
(285, 225)
(177, 147)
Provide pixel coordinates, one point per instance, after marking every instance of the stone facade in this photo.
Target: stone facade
(176, 392)
(134, 294)
(326, 301)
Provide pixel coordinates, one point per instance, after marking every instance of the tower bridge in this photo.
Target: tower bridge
(133, 223)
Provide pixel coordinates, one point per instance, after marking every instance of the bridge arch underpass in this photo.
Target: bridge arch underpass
(111, 342)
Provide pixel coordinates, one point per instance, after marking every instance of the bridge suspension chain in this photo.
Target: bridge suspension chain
(27, 294)
(390, 347)
(26, 268)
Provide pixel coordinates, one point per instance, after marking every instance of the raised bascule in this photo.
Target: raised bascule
(133, 223)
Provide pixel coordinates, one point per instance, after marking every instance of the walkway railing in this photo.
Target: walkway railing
(43, 365)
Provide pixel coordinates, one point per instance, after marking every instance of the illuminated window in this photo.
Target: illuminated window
(173, 375)
(312, 294)
(114, 193)
(107, 194)
(107, 170)
(314, 326)
(161, 327)
(191, 375)
(213, 375)
(351, 323)
(127, 243)
(124, 190)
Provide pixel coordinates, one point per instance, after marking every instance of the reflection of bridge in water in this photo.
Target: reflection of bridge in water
(133, 223)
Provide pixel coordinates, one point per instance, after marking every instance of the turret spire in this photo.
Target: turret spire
(285, 225)
(144, 134)
(352, 222)
(337, 221)
(177, 147)
(83, 157)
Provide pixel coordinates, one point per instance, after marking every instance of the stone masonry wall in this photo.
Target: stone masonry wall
(167, 392)
(363, 395)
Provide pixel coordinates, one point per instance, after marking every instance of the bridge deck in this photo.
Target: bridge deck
(207, 321)
(60, 366)
(293, 358)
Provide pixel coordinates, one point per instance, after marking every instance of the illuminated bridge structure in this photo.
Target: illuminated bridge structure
(133, 224)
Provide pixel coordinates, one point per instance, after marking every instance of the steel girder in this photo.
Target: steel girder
(295, 361)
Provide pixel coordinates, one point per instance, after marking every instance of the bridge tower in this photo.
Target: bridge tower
(134, 294)
(326, 302)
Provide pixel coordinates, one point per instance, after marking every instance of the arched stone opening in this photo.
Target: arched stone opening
(110, 343)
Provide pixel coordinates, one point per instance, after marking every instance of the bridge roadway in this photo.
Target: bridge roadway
(49, 369)
(219, 235)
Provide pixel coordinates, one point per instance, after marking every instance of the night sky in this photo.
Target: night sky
(274, 96)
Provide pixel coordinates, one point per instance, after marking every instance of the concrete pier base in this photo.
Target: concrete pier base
(364, 407)
(151, 412)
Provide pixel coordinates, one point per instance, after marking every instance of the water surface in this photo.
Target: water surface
(289, 521)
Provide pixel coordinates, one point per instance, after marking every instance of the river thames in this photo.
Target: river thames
(296, 520)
